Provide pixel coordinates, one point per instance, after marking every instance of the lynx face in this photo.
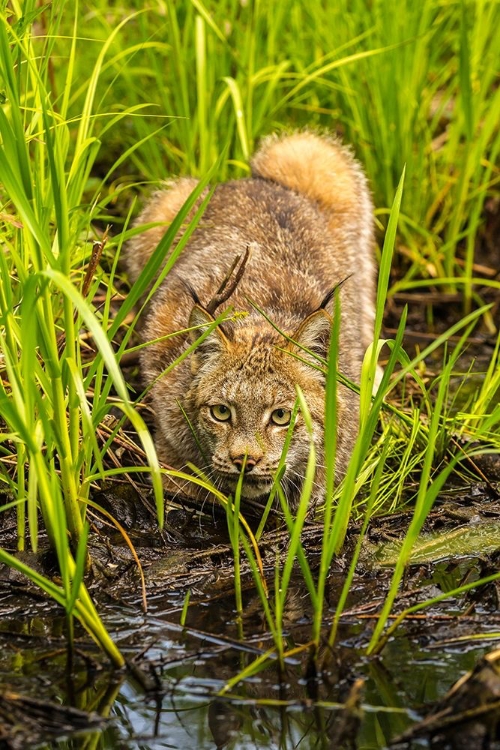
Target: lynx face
(242, 398)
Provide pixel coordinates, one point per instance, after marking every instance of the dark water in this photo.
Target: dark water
(190, 667)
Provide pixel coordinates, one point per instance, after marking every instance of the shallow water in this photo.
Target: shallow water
(190, 666)
(267, 711)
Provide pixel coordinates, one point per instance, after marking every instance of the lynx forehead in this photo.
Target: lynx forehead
(306, 216)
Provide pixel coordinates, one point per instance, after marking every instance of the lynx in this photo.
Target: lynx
(304, 220)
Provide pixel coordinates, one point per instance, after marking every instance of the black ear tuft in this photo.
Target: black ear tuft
(214, 344)
(191, 291)
(328, 297)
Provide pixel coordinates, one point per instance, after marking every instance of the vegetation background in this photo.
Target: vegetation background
(102, 101)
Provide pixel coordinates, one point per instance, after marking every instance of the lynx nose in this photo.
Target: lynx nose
(238, 461)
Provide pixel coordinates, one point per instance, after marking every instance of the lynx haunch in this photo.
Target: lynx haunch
(305, 216)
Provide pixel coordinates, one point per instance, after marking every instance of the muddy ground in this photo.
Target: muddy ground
(171, 693)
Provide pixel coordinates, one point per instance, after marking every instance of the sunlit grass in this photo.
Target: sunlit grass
(49, 420)
(429, 435)
(405, 83)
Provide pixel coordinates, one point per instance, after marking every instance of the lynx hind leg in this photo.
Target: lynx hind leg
(163, 206)
(323, 170)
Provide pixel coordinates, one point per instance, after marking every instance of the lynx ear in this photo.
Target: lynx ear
(313, 334)
(214, 344)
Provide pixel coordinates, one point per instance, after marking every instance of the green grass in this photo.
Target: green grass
(98, 104)
(406, 83)
(430, 434)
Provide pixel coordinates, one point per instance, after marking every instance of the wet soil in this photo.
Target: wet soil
(175, 692)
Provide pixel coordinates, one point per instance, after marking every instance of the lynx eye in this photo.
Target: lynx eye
(220, 412)
(281, 417)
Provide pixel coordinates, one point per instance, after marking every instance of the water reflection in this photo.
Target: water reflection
(190, 666)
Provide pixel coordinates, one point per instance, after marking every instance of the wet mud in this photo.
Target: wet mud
(178, 692)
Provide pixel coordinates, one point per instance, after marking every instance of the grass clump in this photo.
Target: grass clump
(432, 451)
(53, 395)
